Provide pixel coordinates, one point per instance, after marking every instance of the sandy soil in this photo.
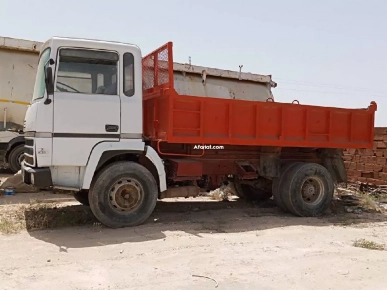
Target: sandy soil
(240, 245)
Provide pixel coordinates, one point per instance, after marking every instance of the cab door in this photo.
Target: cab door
(86, 103)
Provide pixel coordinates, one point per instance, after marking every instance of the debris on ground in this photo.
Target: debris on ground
(358, 198)
(222, 193)
(358, 211)
(16, 182)
(350, 200)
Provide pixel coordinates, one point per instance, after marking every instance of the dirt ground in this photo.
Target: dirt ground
(195, 243)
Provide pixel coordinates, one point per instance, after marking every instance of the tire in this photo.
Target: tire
(123, 194)
(307, 189)
(82, 197)
(15, 158)
(276, 186)
(249, 193)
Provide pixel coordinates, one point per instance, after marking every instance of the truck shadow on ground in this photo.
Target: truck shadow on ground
(75, 227)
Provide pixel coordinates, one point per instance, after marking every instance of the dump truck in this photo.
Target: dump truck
(18, 62)
(122, 131)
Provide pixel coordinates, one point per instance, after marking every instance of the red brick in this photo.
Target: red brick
(369, 152)
(385, 138)
(367, 174)
(352, 165)
(384, 169)
(381, 145)
(362, 179)
(381, 182)
(368, 167)
(376, 174)
(372, 180)
(366, 152)
(347, 157)
(359, 166)
(383, 176)
(372, 159)
(380, 130)
(379, 153)
(378, 167)
(381, 160)
(379, 137)
(351, 179)
(357, 173)
(351, 151)
(363, 159)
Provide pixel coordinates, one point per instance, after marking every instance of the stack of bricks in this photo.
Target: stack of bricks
(368, 165)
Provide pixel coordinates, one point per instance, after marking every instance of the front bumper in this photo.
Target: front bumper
(39, 177)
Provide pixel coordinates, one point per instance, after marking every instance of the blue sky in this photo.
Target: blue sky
(329, 53)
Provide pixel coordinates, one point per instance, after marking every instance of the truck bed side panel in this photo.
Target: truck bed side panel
(176, 118)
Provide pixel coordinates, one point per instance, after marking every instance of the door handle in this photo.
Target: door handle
(111, 128)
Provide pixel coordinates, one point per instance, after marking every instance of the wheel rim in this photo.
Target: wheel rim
(312, 191)
(20, 159)
(126, 194)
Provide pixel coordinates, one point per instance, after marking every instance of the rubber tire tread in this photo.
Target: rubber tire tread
(13, 155)
(82, 197)
(105, 179)
(277, 185)
(290, 189)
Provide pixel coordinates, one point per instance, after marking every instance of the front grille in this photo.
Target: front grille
(28, 150)
(29, 157)
(29, 142)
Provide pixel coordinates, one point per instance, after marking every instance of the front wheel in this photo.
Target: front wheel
(123, 194)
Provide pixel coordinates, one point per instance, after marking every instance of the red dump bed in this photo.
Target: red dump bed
(175, 118)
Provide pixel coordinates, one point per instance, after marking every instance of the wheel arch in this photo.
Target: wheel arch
(106, 153)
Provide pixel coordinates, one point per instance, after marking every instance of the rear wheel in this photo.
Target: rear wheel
(123, 194)
(15, 158)
(277, 185)
(82, 197)
(307, 189)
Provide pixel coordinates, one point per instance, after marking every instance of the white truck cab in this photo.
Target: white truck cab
(87, 104)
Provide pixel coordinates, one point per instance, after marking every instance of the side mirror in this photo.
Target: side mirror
(49, 84)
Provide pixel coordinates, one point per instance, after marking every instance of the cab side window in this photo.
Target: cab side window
(128, 77)
(85, 71)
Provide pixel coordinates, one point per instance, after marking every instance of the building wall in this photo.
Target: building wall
(369, 165)
(17, 79)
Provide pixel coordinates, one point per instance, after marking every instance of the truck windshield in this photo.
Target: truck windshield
(40, 84)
